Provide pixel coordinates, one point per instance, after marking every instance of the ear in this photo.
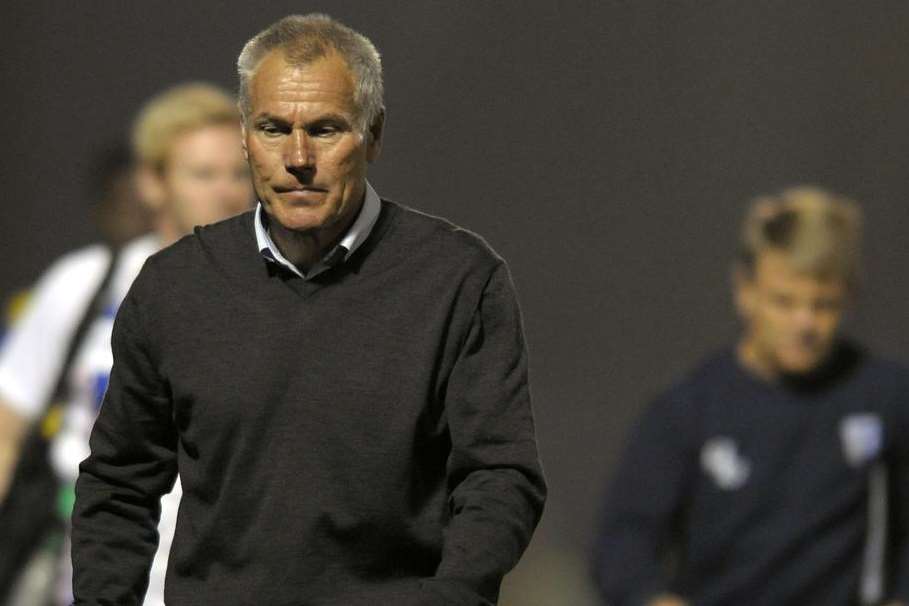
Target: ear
(743, 290)
(374, 144)
(150, 184)
(243, 140)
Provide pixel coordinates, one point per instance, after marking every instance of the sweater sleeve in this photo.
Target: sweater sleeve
(642, 504)
(132, 463)
(495, 479)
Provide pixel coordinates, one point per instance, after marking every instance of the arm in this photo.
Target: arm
(496, 483)
(12, 429)
(132, 463)
(35, 349)
(641, 508)
(898, 501)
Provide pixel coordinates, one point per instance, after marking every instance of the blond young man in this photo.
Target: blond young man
(190, 171)
(776, 472)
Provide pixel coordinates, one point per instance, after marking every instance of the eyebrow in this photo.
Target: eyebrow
(332, 117)
(266, 117)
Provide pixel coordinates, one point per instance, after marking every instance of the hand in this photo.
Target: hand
(666, 599)
(12, 428)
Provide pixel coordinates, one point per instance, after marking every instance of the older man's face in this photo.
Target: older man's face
(307, 156)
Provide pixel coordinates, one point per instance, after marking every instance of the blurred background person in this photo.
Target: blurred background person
(119, 212)
(775, 473)
(119, 216)
(189, 171)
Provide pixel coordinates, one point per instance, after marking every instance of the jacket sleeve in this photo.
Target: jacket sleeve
(132, 463)
(898, 501)
(642, 504)
(495, 479)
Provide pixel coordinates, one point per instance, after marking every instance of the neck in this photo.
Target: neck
(167, 231)
(305, 249)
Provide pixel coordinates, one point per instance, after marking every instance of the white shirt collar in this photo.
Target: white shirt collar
(352, 240)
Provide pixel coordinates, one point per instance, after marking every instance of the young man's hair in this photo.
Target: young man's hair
(174, 112)
(819, 233)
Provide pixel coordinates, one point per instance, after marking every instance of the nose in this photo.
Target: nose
(806, 318)
(298, 156)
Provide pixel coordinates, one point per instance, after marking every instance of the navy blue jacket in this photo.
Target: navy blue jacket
(734, 490)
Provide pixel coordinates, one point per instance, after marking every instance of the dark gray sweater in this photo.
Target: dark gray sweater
(362, 438)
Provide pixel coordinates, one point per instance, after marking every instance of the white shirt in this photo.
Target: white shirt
(33, 351)
(355, 236)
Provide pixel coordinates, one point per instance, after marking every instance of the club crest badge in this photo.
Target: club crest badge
(862, 437)
(722, 461)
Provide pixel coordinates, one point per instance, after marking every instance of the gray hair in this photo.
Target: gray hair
(305, 38)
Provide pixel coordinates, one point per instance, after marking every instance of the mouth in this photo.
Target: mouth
(804, 350)
(304, 194)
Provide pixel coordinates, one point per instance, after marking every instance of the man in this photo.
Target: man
(118, 208)
(775, 473)
(191, 171)
(340, 381)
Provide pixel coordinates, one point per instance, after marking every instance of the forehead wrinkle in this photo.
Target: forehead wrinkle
(309, 107)
(292, 89)
(304, 87)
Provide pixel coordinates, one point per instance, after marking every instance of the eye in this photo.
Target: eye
(783, 301)
(270, 129)
(324, 130)
(826, 304)
(203, 174)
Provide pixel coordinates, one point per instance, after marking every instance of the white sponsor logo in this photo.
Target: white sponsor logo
(721, 460)
(862, 437)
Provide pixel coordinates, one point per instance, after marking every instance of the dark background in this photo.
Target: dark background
(606, 149)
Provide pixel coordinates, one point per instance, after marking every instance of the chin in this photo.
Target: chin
(301, 226)
(799, 364)
(300, 219)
